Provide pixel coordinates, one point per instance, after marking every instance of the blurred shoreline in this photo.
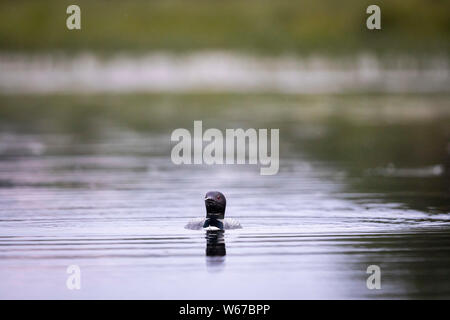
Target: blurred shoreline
(221, 71)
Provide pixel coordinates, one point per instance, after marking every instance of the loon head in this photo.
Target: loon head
(215, 203)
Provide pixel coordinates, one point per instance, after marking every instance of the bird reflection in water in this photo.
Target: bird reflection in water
(215, 249)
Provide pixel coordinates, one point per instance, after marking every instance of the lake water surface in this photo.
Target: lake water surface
(88, 181)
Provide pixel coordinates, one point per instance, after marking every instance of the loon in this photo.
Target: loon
(215, 203)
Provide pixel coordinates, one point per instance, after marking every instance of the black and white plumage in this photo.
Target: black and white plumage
(215, 203)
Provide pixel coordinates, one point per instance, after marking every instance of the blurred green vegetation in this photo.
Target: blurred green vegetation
(259, 26)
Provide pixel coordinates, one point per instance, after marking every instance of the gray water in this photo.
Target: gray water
(88, 181)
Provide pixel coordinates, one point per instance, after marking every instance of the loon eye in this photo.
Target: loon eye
(218, 197)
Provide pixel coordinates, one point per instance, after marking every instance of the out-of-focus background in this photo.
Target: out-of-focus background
(86, 176)
(269, 46)
(265, 27)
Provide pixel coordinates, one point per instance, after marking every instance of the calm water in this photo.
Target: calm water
(88, 181)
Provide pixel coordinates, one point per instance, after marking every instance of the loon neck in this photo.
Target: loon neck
(215, 215)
